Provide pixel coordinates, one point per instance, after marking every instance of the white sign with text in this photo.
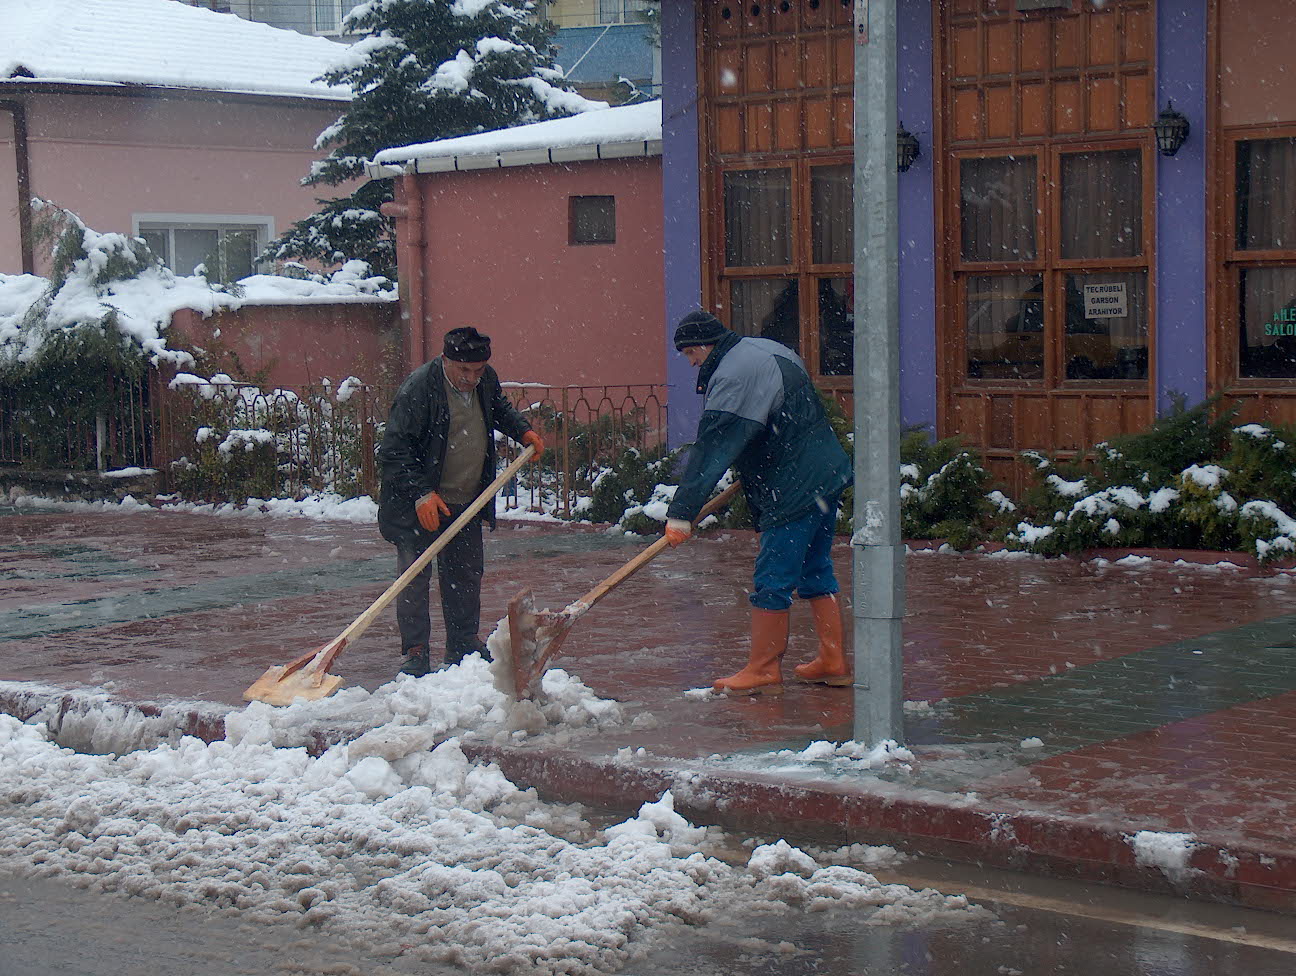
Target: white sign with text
(1105, 301)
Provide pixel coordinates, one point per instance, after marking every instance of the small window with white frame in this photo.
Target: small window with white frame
(326, 15)
(228, 247)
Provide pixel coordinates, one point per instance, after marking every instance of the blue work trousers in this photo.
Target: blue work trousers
(796, 558)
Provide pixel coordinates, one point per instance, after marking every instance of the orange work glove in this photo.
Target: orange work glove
(532, 439)
(429, 510)
(677, 531)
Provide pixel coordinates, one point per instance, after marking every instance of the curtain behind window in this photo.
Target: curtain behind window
(998, 208)
(1102, 205)
(831, 214)
(1266, 194)
(758, 217)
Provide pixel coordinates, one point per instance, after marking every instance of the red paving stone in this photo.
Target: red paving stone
(974, 624)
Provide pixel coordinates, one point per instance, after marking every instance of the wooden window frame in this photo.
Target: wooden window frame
(1048, 263)
(1232, 260)
(807, 274)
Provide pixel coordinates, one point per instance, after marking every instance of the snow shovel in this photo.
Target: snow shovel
(536, 636)
(307, 676)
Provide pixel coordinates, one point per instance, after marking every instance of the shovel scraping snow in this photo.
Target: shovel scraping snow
(536, 636)
(307, 676)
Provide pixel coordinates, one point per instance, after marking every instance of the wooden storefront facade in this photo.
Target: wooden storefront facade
(1061, 281)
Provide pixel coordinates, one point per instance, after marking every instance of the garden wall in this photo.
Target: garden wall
(299, 345)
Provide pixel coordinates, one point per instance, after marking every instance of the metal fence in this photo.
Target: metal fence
(228, 440)
(66, 434)
(585, 429)
(232, 440)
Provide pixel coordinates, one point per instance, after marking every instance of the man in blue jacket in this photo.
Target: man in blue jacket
(437, 456)
(762, 416)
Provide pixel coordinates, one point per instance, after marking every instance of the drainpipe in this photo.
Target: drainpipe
(407, 211)
(22, 168)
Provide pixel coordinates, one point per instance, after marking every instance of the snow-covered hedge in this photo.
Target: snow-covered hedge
(1191, 481)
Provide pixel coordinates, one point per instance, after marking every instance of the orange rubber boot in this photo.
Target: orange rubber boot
(762, 676)
(830, 667)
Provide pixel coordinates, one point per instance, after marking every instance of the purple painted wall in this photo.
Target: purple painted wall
(681, 208)
(682, 231)
(914, 103)
(1181, 206)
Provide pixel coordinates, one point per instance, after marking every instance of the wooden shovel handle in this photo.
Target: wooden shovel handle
(362, 622)
(645, 557)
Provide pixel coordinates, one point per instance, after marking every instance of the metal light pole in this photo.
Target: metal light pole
(877, 553)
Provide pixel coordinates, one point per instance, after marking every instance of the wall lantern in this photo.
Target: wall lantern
(906, 148)
(1171, 130)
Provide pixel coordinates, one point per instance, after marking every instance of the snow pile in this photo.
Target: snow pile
(460, 698)
(1168, 851)
(856, 755)
(350, 283)
(409, 851)
(141, 307)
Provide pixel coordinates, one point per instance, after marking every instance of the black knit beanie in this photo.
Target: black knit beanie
(699, 328)
(466, 345)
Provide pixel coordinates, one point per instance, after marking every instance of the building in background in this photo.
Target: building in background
(189, 128)
(1066, 271)
(608, 47)
(547, 236)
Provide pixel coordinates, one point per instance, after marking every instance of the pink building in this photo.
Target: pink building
(547, 237)
(187, 127)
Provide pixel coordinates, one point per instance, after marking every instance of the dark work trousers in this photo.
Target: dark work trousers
(459, 571)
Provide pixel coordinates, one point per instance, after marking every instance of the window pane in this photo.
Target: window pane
(195, 247)
(1268, 322)
(1106, 326)
(1102, 205)
(766, 307)
(1266, 194)
(238, 250)
(831, 217)
(1005, 327)
(593, 220)
(326, 15)
(157, 242)
(758, 217)
(609, 11)
(836, 327)
(998, 208)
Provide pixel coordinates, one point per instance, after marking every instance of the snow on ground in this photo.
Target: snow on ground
(1168, 851)
(407, 849)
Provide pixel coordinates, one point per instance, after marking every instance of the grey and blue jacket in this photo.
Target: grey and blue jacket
(762, 416)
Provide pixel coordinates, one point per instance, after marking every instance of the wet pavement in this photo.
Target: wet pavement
(49, 927)
(1055, 707)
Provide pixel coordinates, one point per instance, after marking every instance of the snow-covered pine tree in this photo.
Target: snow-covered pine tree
(424, 70)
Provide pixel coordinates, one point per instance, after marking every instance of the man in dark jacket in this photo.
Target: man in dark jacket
(762, 416)
(437, 457)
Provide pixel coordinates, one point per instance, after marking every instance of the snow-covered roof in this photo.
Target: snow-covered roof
(159, 43)
(610, 133)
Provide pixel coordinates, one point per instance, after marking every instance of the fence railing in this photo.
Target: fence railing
(66, 433)
(229, 440)
(585, 428)
(235, 439)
